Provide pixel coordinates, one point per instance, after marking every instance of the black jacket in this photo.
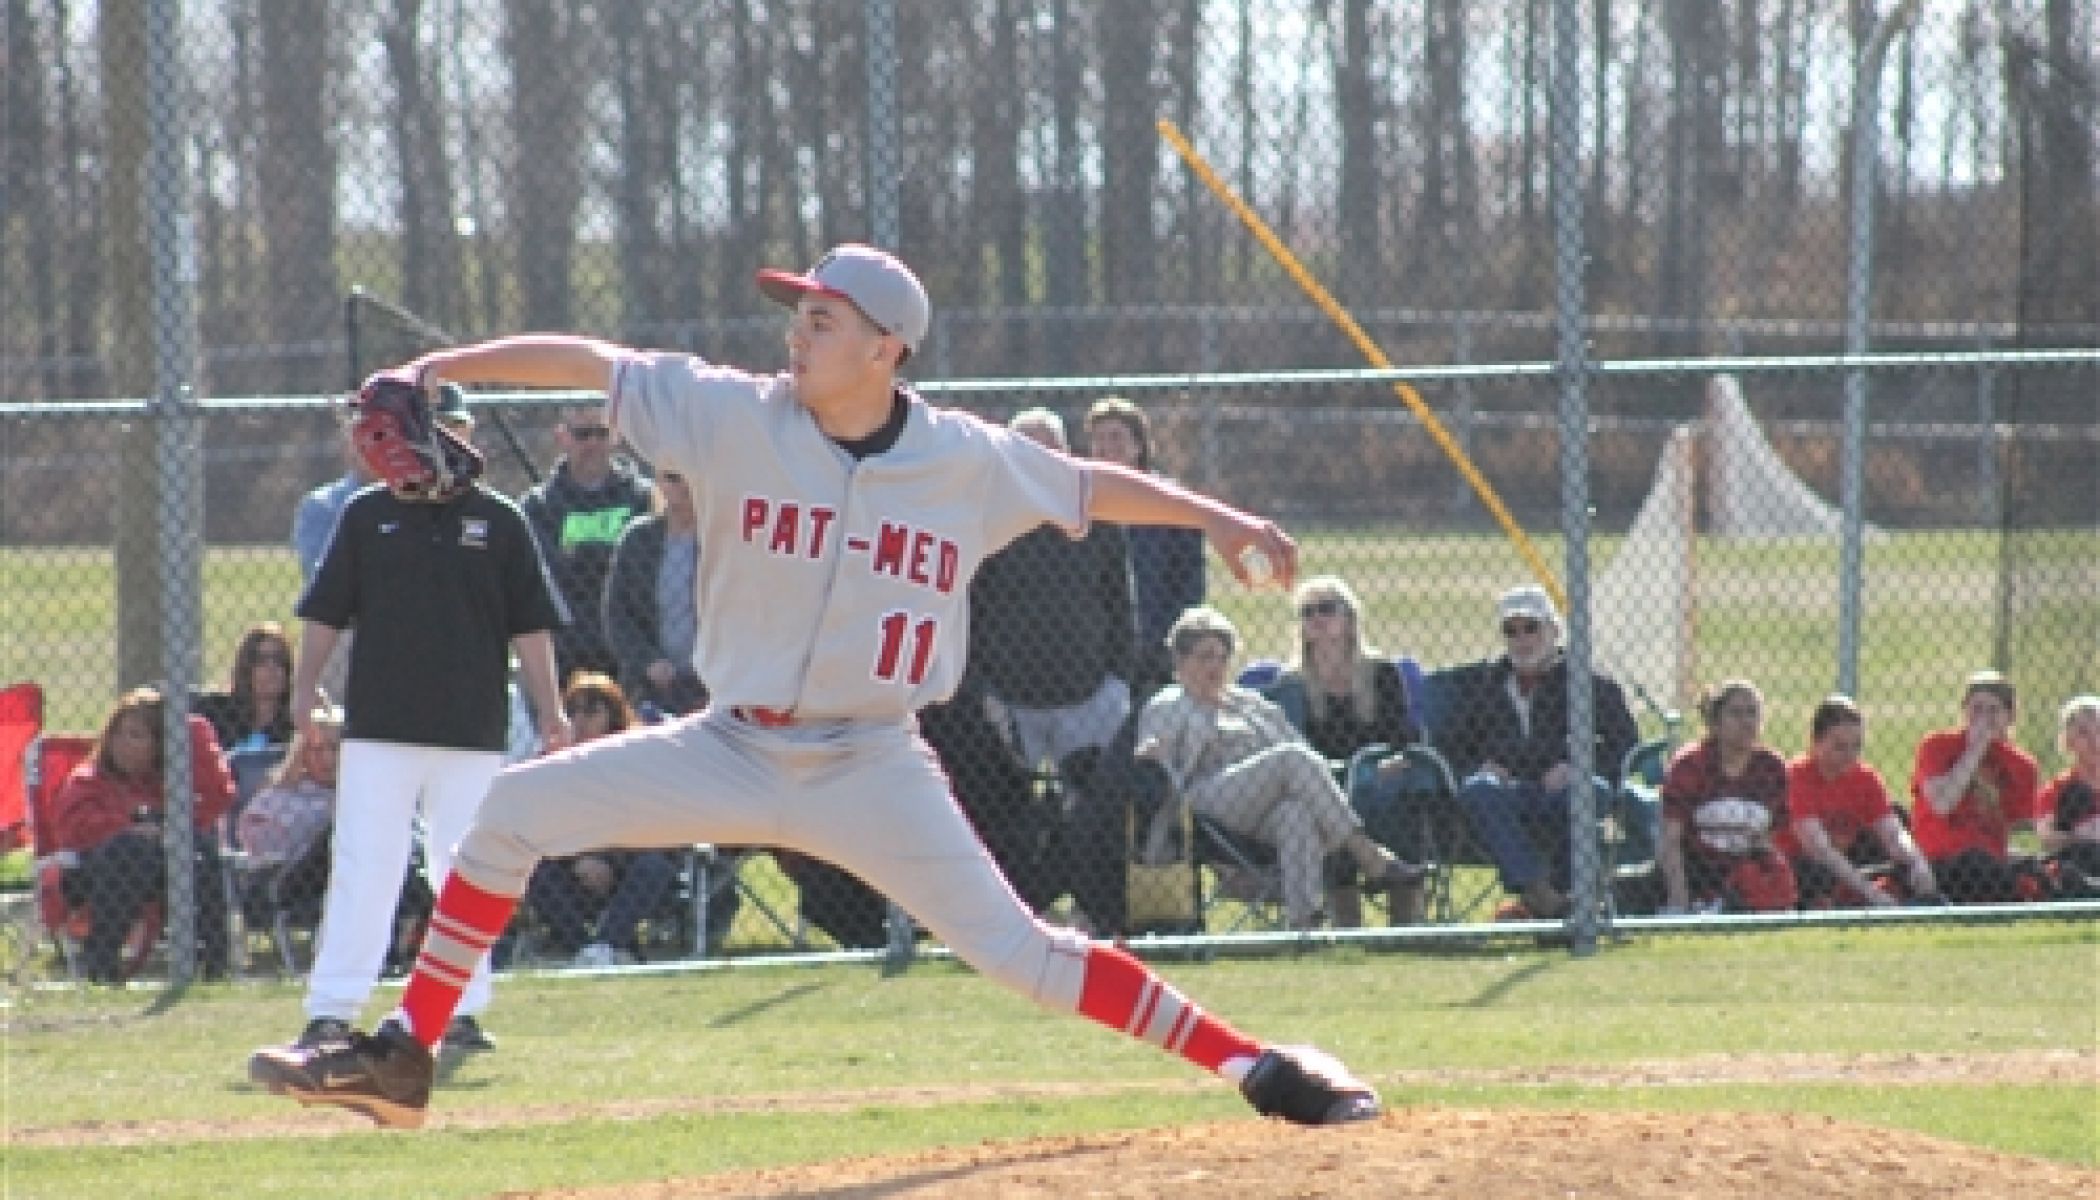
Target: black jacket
(1480, 724)
(577, 528)
(1050, 617)
(633, 626)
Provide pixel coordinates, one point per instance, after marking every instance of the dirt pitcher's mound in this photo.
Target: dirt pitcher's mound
(1435, 1152)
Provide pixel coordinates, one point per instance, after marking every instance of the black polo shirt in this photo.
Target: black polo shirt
(435, 593)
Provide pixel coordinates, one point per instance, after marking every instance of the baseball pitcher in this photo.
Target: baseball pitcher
(843, 518)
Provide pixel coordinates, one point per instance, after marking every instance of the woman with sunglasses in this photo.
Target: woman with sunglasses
(256, 710)
(1347, 697)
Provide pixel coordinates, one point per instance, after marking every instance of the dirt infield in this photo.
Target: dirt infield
(1431, 1152)
(1414, 1151)
(1453, 1152)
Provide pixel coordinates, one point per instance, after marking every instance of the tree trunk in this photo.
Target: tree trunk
(649, 124)
(1129, 150)
(130, 346)
(1067, 251)
(431, 263)
(1361, 268)
(543, 41)
(296, 168)
(28, 221)
(998, 203)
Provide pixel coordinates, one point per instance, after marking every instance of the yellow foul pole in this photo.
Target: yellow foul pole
(1372, 354)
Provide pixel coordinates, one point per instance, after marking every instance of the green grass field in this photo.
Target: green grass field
(1766, 610)
(605, 1080)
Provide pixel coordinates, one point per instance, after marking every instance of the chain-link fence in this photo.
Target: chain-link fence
(258, 199)
(1715, 558)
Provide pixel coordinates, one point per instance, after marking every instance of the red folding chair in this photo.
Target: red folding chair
(21, 720)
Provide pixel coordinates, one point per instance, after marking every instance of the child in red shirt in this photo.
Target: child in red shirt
(1834, 802)
(1969, 787)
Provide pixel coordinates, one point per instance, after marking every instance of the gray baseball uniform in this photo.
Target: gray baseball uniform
(836, 595)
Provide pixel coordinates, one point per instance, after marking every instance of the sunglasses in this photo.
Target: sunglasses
(273, 658)
(589, 433)
(1319, 608)
(1519, 628)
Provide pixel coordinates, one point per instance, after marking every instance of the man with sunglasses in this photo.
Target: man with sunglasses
(578, 515)
(843, 518)
(1506, 737)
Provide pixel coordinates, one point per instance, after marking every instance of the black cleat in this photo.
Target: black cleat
(384, 1075)
(323, 1031)
(464, 1035)
(1309, 1087)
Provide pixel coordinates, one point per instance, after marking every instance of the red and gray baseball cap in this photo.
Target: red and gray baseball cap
(875, 281)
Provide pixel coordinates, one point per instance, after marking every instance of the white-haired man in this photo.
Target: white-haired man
(1507, 740)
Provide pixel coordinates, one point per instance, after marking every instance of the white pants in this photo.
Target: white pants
(379, 787)
(1052, 733)
(870, 798)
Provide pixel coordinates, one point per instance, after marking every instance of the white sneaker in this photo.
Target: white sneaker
(599, 954)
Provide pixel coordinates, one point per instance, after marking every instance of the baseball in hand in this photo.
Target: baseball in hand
(1261, 573)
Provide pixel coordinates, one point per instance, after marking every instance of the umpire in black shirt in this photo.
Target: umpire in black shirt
(442, 581)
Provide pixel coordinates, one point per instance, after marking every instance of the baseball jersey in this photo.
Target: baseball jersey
(2001, 792)
(436, 592)
(1695, 779)
(835, 587)
(1847, 806)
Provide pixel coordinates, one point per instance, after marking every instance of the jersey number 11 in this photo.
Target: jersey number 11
(897, 629)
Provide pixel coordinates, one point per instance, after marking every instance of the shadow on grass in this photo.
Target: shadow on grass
(737, 1016)
(1495, 992)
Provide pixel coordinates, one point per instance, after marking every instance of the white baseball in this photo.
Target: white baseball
(1260, 571)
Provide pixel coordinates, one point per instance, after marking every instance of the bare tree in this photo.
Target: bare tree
(121, 39)
(1359, 267)
(646, 186)
(998, 203)
(431, 263)
(544, 42)
(1127, 35)
(26, 169)
(296, 171)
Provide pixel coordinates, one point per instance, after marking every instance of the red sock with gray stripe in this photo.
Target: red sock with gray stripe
(1122, 994)
(467, 922)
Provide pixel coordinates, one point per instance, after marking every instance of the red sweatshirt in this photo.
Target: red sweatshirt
(94, 806)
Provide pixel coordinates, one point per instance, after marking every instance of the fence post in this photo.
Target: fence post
(1571, 362)
(172, 245)
(1859, 299)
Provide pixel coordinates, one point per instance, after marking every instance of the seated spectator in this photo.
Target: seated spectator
(1234, 757)
(1839, 816)
(2070, 805)
(106, 827)
(283, 831)
(1506, 738)
(1969, 788)
(1346, 697)
(1723, 798)
(651, 620)
(620, 887)
(256, 711)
